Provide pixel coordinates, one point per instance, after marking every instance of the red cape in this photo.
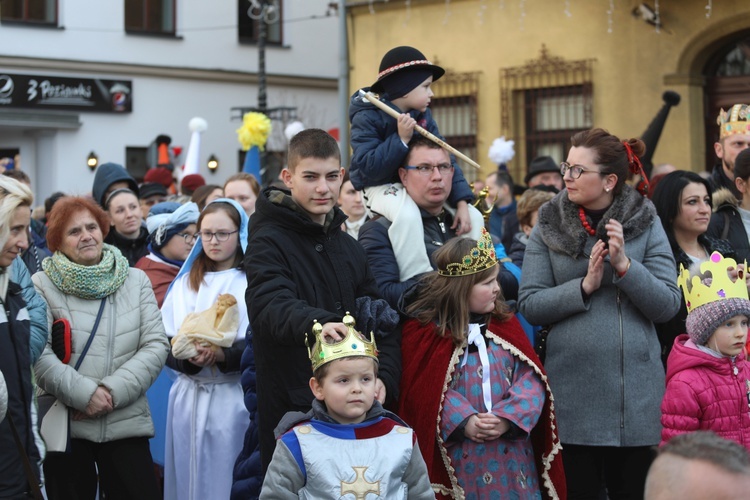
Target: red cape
(428, 362)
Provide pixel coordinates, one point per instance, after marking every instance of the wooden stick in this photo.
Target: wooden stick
(437, 140)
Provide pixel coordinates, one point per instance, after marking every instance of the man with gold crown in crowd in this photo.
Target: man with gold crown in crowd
(347, 443)
(734, 136)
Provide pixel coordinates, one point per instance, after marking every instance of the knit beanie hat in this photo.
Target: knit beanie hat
(161, 175)
(191, 182)
(402, 69)
(162, 226)
(703, 321)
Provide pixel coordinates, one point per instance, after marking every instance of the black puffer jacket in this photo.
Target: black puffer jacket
(298, 272)
(15, 364)
(132, 249)
(727, 211)
(437, 231)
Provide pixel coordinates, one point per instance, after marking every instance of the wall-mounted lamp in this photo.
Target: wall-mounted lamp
(92, 161)
(213, 163)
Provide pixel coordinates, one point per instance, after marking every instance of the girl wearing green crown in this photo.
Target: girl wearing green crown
(468, 365)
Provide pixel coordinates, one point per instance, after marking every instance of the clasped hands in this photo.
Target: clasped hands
(483, 427)
(615, 248)
(99, 405)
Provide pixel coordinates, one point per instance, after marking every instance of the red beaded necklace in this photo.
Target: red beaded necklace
(585, 222)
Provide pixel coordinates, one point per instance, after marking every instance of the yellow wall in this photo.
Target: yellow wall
(634, 64)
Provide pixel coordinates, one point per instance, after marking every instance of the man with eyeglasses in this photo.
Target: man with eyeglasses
(427, 177)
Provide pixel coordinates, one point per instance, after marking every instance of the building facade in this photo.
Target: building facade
(536, 72)
(80, 77)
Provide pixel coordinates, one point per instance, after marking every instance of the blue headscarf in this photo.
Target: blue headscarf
(163, 223)
(198, 247)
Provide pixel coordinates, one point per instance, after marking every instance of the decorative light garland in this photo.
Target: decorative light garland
(407, 3)
(447, 12)
(609, 15)
(567, 9)
(709, 9)
(657, 20)
(482, 8)
(522, 7)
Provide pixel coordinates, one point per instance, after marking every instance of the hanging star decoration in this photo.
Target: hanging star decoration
(255, 129)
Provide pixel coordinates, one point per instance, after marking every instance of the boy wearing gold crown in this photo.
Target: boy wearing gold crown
(708, 377)
(347, 446)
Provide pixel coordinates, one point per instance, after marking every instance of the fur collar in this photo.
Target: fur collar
(562, 232)
(723, 196)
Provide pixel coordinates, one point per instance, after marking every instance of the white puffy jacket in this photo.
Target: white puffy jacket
(128, 352)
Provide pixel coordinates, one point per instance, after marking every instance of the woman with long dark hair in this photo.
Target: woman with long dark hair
(683, 203)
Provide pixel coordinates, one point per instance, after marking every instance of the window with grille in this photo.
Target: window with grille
(454, 108)
(150, 16)
(29, 11)
(544, 103)
(249, 19)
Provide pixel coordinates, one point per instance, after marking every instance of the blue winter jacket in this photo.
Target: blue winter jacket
(35, 305)
(379, 151)
(247, 477)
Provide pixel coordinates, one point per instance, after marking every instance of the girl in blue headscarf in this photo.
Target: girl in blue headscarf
(206, 418)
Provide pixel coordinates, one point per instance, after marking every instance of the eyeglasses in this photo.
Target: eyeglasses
(220, 235)
(427, 170)
(189, 238)
(575, 170)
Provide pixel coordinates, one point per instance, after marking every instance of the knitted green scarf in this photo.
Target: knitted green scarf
(88, 282)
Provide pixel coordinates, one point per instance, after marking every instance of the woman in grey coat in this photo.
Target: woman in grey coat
(599, 270)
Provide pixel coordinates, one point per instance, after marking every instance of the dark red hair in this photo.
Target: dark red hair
(62, 213)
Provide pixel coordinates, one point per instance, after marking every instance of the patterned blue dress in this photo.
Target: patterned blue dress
(504, 467)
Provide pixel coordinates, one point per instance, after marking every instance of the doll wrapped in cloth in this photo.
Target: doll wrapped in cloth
(215, 327)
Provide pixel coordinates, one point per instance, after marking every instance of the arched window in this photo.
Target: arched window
(727, 74)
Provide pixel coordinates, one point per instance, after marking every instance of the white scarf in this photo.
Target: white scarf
(476, 338)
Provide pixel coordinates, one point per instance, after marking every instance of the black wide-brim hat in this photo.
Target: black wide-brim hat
(401, 59)
(539, 165)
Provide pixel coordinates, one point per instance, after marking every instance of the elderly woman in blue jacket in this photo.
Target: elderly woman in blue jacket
(599, 270)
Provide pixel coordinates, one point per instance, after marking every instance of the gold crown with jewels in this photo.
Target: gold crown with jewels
(480, 257)
(354, 344)
(734, 121)
(720, 286)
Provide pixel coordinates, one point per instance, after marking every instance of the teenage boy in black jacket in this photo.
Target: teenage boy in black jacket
(301, 267)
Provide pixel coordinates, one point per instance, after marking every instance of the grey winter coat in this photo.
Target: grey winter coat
(128, 352)
(603, 357)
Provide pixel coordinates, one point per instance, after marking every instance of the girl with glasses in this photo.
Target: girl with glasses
(599, 270)
(206, 419)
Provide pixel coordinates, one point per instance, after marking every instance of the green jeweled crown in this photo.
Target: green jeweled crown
(354, 344)
(734, 121)
(480, 257)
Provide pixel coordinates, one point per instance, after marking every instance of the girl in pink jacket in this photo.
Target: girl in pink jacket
(708, 377)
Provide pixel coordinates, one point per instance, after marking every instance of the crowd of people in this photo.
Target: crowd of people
(366, 333)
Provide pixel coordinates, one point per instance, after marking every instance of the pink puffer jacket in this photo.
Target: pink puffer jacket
(706, 393)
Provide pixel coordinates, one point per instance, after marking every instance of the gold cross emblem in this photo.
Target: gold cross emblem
(360, 487)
